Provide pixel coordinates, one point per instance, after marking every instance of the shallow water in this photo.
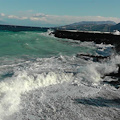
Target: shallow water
(41, 78)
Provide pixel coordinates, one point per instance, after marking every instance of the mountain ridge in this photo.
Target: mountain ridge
(94, 22)
(116, 27)
(104, 26)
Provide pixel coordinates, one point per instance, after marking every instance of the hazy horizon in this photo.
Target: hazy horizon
(44, 13)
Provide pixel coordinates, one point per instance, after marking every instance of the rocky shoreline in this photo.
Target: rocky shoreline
(98, 38)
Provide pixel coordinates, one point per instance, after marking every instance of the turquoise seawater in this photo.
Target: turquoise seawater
(38, 44)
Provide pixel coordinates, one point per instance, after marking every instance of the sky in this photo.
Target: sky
(47, 13)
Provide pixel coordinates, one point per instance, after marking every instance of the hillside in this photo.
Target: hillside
(103, 26)
(94, 22)
(115, 27)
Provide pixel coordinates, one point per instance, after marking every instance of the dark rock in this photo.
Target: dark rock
(106, 38)
(115, 83)
(113, 74)
(95, 58)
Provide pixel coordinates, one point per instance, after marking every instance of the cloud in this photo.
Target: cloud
(39, 15)
(43, 19)
(17, 17)
(2, 14)
(57, 19)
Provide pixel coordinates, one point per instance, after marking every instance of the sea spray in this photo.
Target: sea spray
(11, 89)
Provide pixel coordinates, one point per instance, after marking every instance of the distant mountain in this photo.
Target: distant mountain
(115, 27)
(21, 28)
(94, 23)
(103, 26)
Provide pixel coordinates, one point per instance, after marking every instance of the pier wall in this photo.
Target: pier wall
(106, 38)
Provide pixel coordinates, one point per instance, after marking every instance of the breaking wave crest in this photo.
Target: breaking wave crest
(12, 89)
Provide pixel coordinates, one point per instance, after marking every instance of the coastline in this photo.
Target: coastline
(90, 36)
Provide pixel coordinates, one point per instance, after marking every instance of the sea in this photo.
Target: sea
(43, 78)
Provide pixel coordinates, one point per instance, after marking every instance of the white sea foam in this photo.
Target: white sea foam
(76, 77)
(48, 33)
(32, 76)
(11, 89)
(92, 72)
